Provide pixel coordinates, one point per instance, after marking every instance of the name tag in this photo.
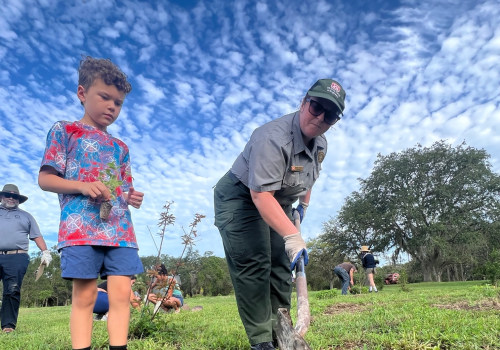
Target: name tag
(297, 168)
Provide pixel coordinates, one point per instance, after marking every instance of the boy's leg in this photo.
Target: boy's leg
(119, 265)
(81, 264)
(119, 311)
(83, 299)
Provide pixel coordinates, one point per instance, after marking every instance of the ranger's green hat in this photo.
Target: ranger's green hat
(330, 90)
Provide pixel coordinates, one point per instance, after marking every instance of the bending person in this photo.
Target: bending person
(253, 206)
(345, 272)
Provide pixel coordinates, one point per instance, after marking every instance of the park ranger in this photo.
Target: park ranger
(253, 206)
(16, 228)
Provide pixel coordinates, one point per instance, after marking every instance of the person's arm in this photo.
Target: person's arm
(49, 180)
(351, 274)
(304, 200)
(134, 301)
(303, 204)
(170, 286)
(272, 213)
(40, 243)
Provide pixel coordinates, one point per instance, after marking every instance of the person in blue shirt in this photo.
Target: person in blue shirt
(369, 264)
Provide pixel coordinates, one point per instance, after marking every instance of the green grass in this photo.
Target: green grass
(440, 316)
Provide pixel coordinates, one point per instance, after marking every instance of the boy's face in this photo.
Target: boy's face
(102, 104)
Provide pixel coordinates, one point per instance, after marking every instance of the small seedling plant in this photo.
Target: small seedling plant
(145, 324)
(110, 178)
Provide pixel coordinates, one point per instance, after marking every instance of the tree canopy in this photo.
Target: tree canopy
(439, 204)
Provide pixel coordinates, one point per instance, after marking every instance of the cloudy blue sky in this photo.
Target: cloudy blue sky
(205, 74)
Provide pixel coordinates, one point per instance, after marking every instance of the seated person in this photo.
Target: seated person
(101, 306)
(178, 294)
(162, 290)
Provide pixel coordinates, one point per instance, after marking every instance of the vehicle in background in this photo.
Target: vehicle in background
(392, 278)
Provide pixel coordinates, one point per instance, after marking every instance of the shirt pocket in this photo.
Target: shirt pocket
(292, 178)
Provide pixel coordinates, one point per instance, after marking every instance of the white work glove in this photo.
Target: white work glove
(301, 209)
(46, 257)
(295, 247)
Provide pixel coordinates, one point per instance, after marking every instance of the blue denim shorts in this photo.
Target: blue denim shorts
(88, 262)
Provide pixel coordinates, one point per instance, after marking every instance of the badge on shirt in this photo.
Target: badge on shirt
(297, 168)
(321, 156)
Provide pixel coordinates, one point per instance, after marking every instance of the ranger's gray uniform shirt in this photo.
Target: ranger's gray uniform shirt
(276, 159)
(16, 225)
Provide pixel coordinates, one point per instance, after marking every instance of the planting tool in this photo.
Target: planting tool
(290, 338)
(39, 271)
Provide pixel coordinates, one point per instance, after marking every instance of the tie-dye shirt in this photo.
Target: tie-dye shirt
(81, 152)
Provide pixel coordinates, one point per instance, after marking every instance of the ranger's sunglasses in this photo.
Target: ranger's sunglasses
(331, 117)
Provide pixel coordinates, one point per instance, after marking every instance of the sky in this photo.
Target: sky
(205, 74)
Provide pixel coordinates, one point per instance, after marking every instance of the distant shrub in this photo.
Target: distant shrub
(403, 281)
(359, 290)
(491, 268)
(327, 294)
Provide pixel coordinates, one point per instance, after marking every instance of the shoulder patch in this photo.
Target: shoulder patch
(321, 156)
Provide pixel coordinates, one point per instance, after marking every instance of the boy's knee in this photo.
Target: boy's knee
(119, 298)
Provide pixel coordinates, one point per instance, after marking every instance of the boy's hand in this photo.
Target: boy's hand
(134, 198)
(96, 190)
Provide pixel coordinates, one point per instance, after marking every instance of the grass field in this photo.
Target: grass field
(453, 315)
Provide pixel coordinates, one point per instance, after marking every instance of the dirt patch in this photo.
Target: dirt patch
(344, 307)
(483, 305)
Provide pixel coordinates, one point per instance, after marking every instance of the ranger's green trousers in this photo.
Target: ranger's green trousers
(259, 267)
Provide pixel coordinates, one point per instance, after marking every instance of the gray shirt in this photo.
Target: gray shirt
(348, 267)
(16, 226)
(276, 159)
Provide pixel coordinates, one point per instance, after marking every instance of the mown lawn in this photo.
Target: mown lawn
(463, 315)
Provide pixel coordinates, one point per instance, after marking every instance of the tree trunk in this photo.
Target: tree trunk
(426, 272)
(437, 273)
(456, 276)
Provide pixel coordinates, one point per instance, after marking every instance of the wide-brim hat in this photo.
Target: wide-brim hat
(329, 89)
(364, 248)
(10, 188)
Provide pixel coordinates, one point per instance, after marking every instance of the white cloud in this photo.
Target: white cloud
(204, 78)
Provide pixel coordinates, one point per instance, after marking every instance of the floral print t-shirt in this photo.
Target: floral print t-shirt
(81, 152)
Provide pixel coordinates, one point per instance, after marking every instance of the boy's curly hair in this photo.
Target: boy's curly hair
(94, 68)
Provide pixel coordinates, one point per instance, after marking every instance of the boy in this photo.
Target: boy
(79, 159)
